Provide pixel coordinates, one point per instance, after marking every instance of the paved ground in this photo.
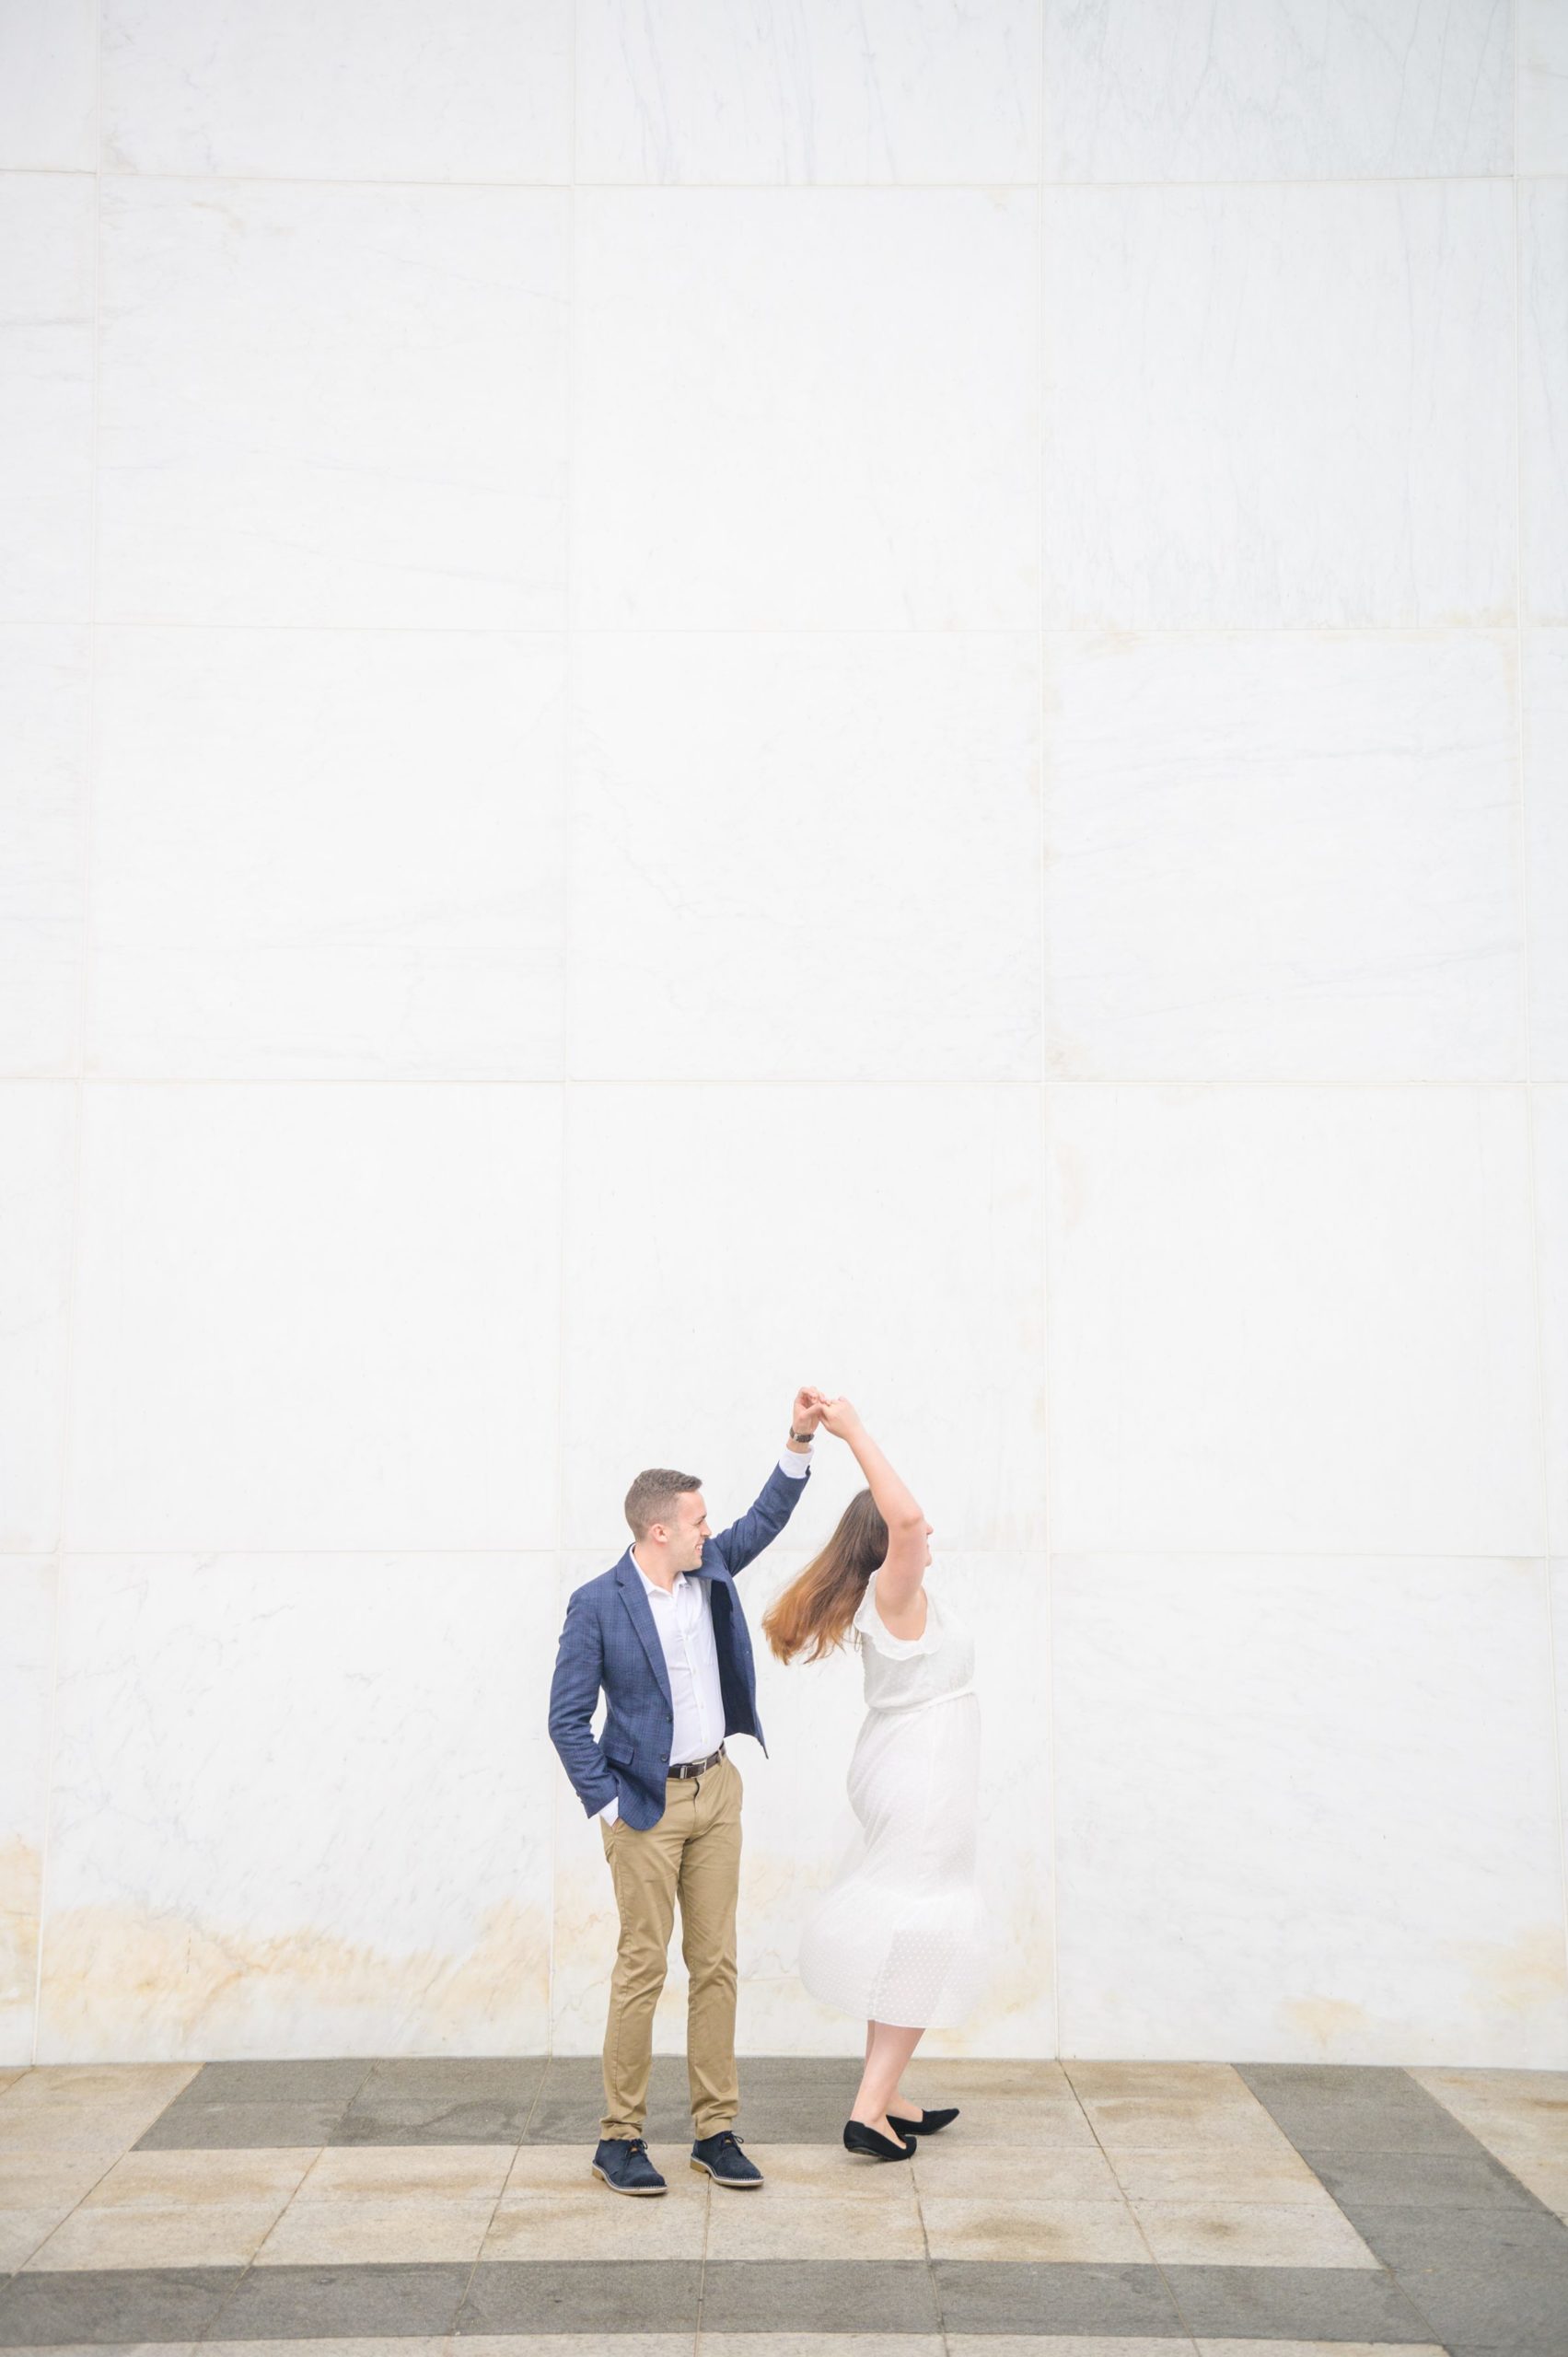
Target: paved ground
(1103, 2210)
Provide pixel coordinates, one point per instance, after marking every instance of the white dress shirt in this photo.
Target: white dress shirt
(683, 1616)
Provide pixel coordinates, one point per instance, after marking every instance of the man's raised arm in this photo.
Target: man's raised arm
(782, 1492)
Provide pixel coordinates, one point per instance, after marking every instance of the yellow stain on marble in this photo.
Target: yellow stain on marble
(1522, 1977)
(1330, 2023)
(21, 1887)
(128, 1979)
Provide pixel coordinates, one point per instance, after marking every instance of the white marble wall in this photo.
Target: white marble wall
(700, 697)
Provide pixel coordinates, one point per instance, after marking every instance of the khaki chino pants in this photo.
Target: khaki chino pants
(692, 1855)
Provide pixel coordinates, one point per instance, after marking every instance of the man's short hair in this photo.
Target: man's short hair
(651, 1496)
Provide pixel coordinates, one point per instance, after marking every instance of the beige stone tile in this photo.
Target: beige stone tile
(1527, 2111)
(1216, 2173)
(527, 2344)
(1206, 2083)
(88, 2106)
(354, 2234)
(1162, 2123)
(811, 2344)
(828, 2172)
(136, 2348)
(1044, 2124)
(430, 2347)
(84, 2130)
(1250, 2234)
(131, 2237)
(1013, 2173)
(1318, 2348)
(1016, 2344)
(1103, 2232)
(31, 2180)
(203, 2180)
(21, 2231)
(395, 2172)
(50, 2085)
(597, 2224)
(81, 2107)
(565, 2168)
(1510, 2083)
(1545, 2175)
(750, 2225)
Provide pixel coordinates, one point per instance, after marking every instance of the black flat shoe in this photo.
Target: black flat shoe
(927, 2124)
(858, 2138)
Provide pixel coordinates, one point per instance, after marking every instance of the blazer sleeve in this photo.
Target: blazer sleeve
(745, 1539)
(573, 1697)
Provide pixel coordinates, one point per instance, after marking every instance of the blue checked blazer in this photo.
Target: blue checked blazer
(609, 1642)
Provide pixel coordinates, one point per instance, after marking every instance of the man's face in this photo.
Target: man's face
(686, 1533)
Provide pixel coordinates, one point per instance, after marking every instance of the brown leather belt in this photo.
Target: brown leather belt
(699, 1767)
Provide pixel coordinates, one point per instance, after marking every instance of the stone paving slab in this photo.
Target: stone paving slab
(419, 2207)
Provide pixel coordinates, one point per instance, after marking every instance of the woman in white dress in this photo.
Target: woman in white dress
(895, 1939)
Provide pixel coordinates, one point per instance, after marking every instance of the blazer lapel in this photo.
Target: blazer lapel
(628, 1579)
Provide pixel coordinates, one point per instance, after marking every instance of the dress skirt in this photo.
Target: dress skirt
(898, 1937)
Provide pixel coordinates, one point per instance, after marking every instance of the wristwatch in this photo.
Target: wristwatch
(798, 1437)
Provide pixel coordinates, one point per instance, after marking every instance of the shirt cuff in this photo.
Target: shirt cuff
(610, 1810)
(796, 1466)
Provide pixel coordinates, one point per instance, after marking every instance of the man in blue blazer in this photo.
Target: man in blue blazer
(663, 1636)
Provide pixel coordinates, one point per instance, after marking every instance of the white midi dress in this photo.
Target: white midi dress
(897, 1938)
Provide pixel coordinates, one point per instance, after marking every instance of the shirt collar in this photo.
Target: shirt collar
(652, 1586)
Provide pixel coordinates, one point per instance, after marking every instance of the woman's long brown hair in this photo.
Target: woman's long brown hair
(820, 1603)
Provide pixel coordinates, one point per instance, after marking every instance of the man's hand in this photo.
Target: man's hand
(807, 1412)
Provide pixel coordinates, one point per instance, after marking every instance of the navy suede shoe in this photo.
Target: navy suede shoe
(624, 2166)
(726, 2163)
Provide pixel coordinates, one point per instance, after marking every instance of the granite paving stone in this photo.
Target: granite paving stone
(1470, 2180)
(817, 2295)
(1405, 2237)
(253, 2127)
(1549, 2348)
(395, 2118)
(582, 2297)
(121, 2304)
(1016, 2296)
(1297, 2302)
(415, 2198)
(392, 2300)
(452, 2078)
(1521, 2310)
(288, 2081)
(1373, 2110)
